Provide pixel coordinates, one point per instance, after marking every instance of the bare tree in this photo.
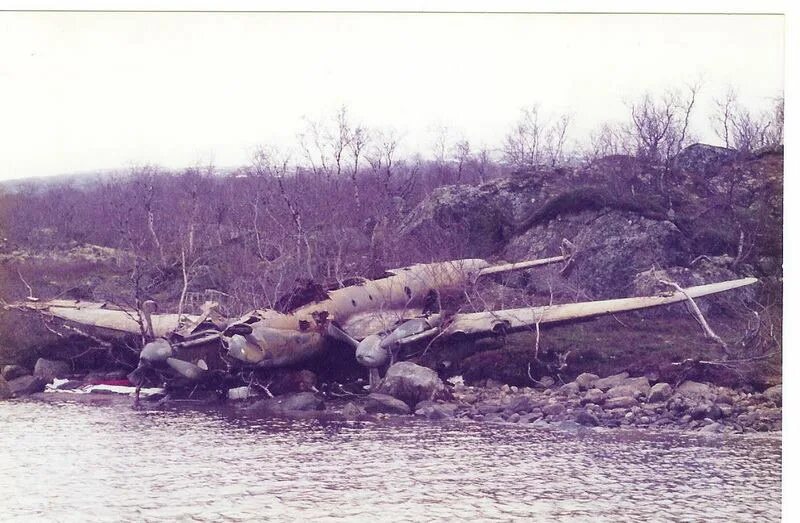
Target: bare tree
(722, 118)
(535, 140)
(382, 156)
(743, 130)
(357, 144)
(660, 125)
(463, 157)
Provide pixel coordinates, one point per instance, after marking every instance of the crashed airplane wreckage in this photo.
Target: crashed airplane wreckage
(377, 318)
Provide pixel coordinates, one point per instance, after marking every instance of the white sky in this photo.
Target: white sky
(83, 91)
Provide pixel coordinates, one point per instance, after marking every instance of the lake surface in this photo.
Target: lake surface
(78, 462)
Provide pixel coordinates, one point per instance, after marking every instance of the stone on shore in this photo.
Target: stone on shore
(436, 411)
(659, 392)
(586, 380)
(5, 390)
(570, 389)
(279, 405)
(775, 394)
(586, 418)
(412, 383)
(26, 385)
(385, 404)
(611, 381)
(553, 409)
(48, 370)
(622, 402)
(696, 391)
(623, 391)
(12, 372)
(641, 384)
(593, 396)
(352, 412)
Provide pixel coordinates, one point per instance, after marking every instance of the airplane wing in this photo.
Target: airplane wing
(104, 316)
(511, 320)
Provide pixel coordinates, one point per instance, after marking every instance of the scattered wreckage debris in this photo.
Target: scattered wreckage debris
(377, 318)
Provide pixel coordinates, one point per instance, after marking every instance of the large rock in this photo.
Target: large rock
(659, 392)
(640, 384)
(26, 385)
(475, 221)
(775, 394)
(623, 391)
(612, 247)
(437, 411)
(696, 391)
(11, 372)
(586, 380)
(622, 402)
(610, 381)
(383, 403)
(706, 270)
(352, 412)
(48, 370)
(412, 383)
(5, 390)
(280, 405)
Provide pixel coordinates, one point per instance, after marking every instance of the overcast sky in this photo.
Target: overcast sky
(84, 91)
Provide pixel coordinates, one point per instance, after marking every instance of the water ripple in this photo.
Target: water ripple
(72, 462)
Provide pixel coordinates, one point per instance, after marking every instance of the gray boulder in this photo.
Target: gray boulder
(586, 380)
(438, 411)
(775, 394)
(553, 409)
(587, 418)
(11, 372)
(48, 370)
(659, 392)
(623, 391)
(26, 385)
(570, 389)
(456, 216)
(622, 402)
(301, 401)
(641, 384)
(412, 383)
(613, 245)
(593, 396)
(5, 390)
(280, 405)
(352, 412)
(611, 381)
(521, 405)
(383, 403)
(696, 391)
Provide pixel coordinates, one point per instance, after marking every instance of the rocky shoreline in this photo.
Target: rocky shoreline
(589, 401)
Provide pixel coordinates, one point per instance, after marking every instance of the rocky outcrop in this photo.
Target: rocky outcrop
(612, 247)
(476, 221)
(412, 383)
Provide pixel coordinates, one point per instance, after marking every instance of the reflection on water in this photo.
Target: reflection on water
(72, 462)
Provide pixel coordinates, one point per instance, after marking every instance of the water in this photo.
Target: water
(77, 462)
